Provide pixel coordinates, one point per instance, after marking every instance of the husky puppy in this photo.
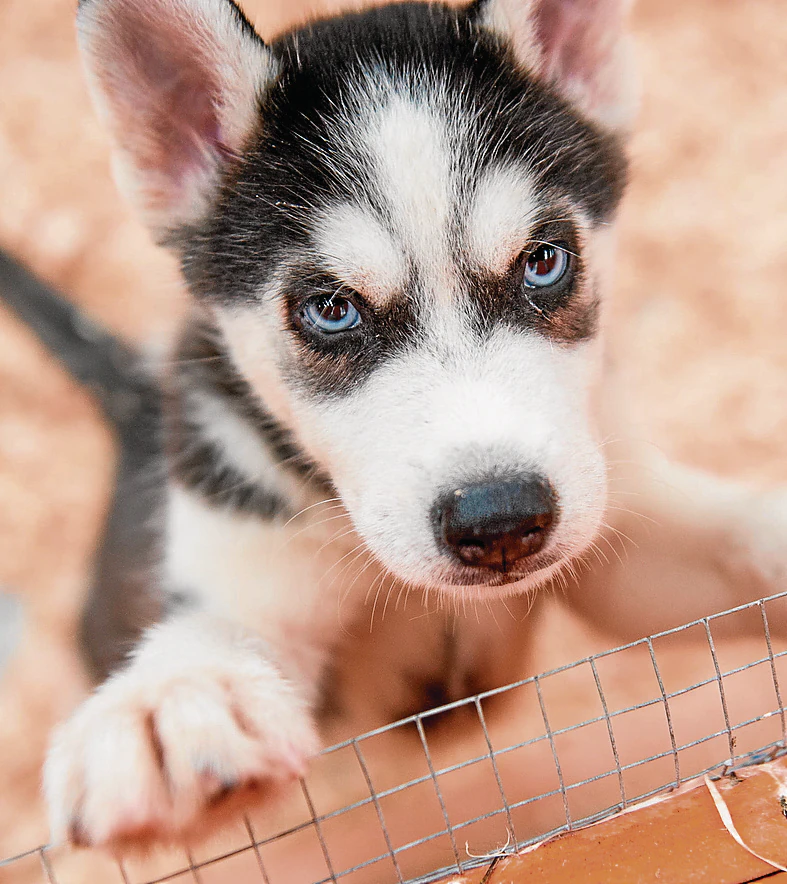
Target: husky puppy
(397, 230)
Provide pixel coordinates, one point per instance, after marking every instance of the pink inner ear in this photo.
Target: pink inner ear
(166, 103)
(574, 36)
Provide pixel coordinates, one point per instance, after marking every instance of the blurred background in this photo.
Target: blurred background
(696, 328)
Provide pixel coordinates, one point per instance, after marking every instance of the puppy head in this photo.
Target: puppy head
(401, 222)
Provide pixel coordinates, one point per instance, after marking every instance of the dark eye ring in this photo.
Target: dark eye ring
(545, 266)
(330, 314)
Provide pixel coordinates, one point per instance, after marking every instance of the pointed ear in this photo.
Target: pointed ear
(179, 84)
(578, 46)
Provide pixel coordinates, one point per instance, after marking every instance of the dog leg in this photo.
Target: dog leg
(682, 544)
(201, 712)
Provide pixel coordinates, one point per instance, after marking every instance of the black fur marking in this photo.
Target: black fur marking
(201, 467)
(204, 367)
(301, 161)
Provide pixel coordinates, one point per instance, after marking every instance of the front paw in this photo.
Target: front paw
(155, 755)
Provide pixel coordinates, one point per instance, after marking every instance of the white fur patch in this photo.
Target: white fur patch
(501, 216)
(359, 250)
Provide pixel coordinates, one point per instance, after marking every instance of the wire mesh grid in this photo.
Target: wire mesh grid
(497, 787)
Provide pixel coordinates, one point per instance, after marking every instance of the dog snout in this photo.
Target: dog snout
(495, 524)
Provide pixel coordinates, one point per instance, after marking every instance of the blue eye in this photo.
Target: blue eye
(545, 266)
(331, 315)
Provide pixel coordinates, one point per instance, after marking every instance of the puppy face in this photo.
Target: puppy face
(405, 256)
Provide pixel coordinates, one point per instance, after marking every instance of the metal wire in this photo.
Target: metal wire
(378, 808)
(318, 829)
(256, 849)
(47, 866)
(487, 739)
(449, 829)
(610, 732)
(555, 756)
(667, 712)
(508, 804)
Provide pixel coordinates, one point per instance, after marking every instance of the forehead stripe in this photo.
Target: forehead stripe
(411, 149)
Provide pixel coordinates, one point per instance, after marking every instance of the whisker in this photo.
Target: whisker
(374, 606)
(613, 548)
(630, 512)
(312, 506)
(334, 538)
(348, 590)
(622, 534)
(310, 526)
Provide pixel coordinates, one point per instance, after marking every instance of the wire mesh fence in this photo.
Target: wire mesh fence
(431, 795)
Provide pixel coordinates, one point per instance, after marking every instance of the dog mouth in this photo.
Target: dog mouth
(538, 567)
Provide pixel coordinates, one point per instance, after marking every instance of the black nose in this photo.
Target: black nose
(495, 524)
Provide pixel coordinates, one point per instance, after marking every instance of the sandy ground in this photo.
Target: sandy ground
(697, 323)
